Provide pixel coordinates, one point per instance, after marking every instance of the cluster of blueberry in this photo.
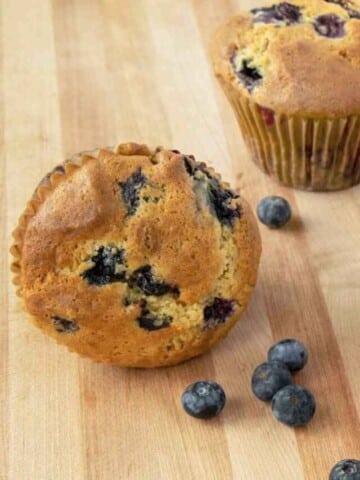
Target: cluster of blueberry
(271, 381)
(291, 404)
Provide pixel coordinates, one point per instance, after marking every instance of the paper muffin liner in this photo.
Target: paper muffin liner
(319, 154)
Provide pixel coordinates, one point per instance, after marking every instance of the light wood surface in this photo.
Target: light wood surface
(76, 74)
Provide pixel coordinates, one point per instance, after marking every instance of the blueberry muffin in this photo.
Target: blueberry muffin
(291, 73)
(135, 257)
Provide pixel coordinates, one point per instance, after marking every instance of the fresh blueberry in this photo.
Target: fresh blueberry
(330, 26)
(293, 405)
(346, 470)
(274, 211)
(217, 312)
(106, 263)
(279, 13)
(268, 378)
(64, 326)
(203, 399)
(143, 278)
(291, 352)
(249, 76)
(130, 190)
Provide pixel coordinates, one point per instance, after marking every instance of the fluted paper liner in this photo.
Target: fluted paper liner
(307, 153)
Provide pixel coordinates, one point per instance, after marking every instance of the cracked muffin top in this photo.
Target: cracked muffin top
(135, 257)
(298, 57)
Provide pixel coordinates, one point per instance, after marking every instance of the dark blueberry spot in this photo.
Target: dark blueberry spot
(148, 199)
(130, 190)
(150, 321)
(274, 211)
(203, 399)
(351, 12)
(143, 278)
(348, 469)
(192, 167)
(189, 165)
(268, 378)
(291, 352)
(106, 262)
(220, 200)
(330, 26)
(64, 326)
(293, 405)
(217, 312)
(249, 76)
(281, 12)
(268, 116)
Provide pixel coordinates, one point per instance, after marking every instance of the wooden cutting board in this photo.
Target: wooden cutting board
(76, 74)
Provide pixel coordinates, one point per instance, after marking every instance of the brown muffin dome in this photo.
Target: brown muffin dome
(135, 257)
(298, 57)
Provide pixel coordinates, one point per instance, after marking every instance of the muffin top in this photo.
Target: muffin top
(121, 253)
(301, 57)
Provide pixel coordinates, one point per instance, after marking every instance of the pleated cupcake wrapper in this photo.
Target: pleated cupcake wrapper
(313, 154)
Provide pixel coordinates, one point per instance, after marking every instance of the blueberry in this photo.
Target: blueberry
(64, 326)
(330, 26)
(220, 199)
(281, 12)
(130, 190)
(143, 278)
(352, 13)
(106, 263)
(268, 378)
(190, 165)
(346, 470)
(203, 399)
(149, 321)
(217, 312)
(293, 405)
(249, 76)
(274, 211)
(291, 352)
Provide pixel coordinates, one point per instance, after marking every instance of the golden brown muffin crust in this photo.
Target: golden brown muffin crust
(303, 72)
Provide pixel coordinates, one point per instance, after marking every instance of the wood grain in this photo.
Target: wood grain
(76, 74)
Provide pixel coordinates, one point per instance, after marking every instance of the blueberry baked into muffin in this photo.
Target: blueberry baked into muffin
(135, 257)
(291, 72)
